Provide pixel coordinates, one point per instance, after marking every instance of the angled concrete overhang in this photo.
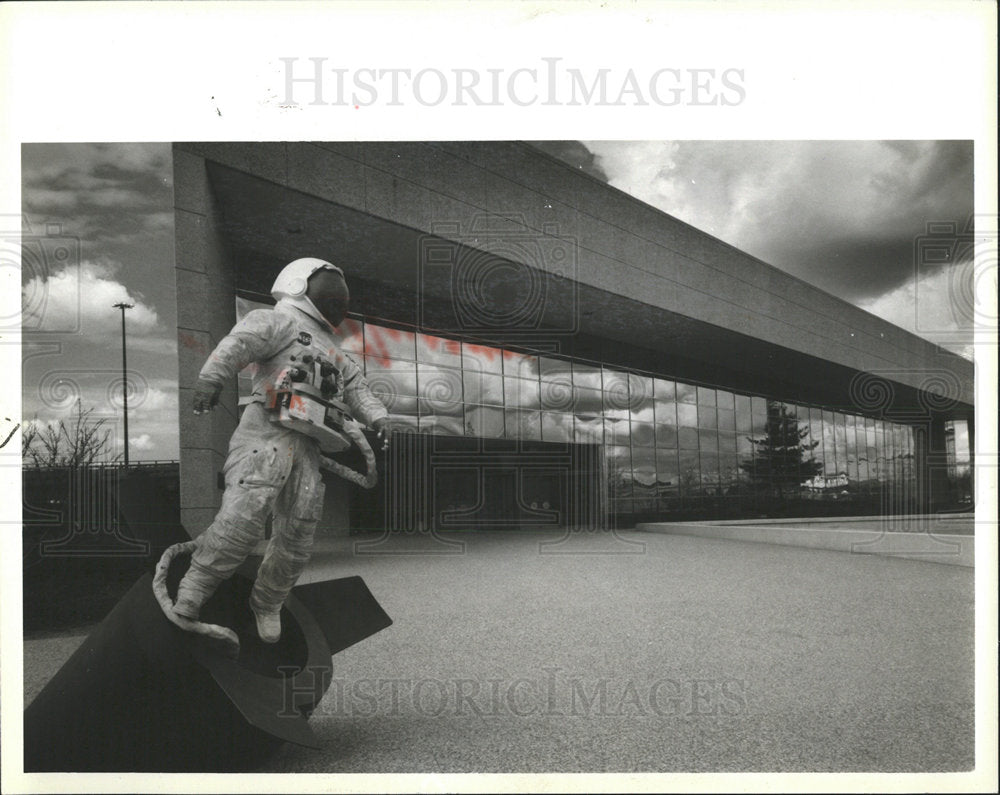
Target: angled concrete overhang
(637, 287)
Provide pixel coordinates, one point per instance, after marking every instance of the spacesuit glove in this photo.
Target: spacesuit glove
(206, 395)
(383, 428)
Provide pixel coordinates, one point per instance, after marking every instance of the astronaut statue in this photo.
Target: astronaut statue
(273, 468)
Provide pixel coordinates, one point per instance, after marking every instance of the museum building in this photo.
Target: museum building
(555, 353)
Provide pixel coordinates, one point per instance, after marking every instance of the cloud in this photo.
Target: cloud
(83, 297)
(842, 215)
(142, 442)
(98, 191)
(932, 306)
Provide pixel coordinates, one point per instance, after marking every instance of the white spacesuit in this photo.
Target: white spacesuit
(271, 468)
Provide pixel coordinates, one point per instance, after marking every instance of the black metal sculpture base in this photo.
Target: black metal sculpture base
(142, 695)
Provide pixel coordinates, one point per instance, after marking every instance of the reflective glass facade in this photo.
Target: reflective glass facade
(670, 449)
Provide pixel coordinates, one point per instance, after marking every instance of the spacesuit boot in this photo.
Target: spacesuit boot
(268, 624)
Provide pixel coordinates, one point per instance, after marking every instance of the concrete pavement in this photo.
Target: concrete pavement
(517, 652)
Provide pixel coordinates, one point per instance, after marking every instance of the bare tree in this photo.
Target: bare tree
(80, 442)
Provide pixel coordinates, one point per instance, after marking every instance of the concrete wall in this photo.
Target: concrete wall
(206, 311)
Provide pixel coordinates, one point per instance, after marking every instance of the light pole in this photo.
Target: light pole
(123, 306)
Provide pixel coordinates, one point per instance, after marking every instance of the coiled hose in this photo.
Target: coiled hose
(224, 638)
(370, 478)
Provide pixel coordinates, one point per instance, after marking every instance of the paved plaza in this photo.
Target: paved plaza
(527, 652)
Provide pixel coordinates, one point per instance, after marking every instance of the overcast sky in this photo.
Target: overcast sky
(840, 215)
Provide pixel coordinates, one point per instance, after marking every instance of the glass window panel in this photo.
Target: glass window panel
(619, 471)
(439, 417)
(729, 470)
(389, 343)
(640, 392)
(391, 376)
(557, 391)
(709, 462)
(708, 441)
(484, 421)
(349, 335)
(482, 388)
(521, 393)
(587, 376)
(557, 427)
(863, 469)
(743, 412)
(829, 446)
(520, 365)
(664, 390)
(686, 393)
(405, 422)
(706, 396)
(744, 446)
(725, 400)
(589, 430)
(439, 350)
(394, 402)
(687, 438)
(727, 443)
(666, 435)
(549, 366)
(871, 449)
(706, 417)
(667, 471)
(727, 420)
(641, 398)
(616, 400)
(482, 359)
(522, 424)
(689, 478)
(880, 461)
(804, 426)
(643, 472)
(642, 434)
(853, 473)
(758, 405)
(687, 415)
(588, 401)
(840, 439)
(439, 383)
(816, 432)
(616, 431)
(665, 411)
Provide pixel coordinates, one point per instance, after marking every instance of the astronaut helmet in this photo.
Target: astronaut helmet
(292, 286)
(293, 281)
